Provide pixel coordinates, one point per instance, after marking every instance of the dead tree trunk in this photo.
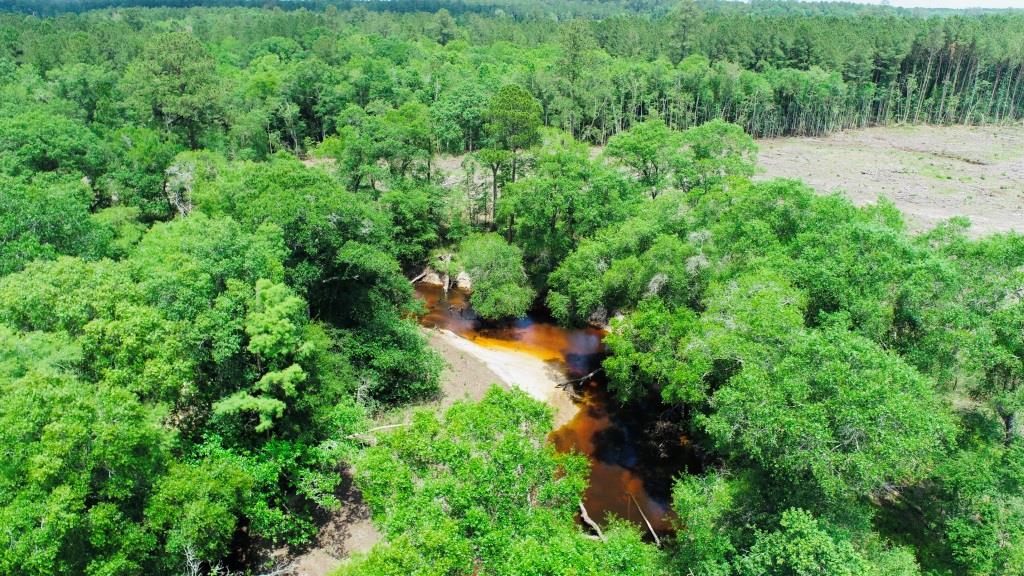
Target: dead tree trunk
(590, 522)
(657, 541)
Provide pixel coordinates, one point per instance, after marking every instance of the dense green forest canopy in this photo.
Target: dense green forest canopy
(773, 68)
(210, 217)
(547, 9)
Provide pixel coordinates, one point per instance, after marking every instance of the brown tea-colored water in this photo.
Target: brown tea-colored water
(621, 481)
(626, 475)
(540, 338)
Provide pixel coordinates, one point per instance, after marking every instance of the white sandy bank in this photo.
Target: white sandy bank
(520, 370)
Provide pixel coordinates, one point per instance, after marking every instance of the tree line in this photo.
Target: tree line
(774, 71)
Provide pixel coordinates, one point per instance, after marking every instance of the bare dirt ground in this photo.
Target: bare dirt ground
(465, 377)
(931, 173)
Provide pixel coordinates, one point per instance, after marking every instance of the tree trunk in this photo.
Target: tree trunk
(1009, 418)
(494, 197)
(193, 140)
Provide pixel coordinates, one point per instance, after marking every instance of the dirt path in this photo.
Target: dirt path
(931, 173)
(352, 530)
(469, 372)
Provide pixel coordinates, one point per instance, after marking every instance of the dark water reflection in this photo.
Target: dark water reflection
(630, 469)
(633, 458)
(573, 350)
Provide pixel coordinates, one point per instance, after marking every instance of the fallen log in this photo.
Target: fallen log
(657, 541)
(388, 427)
(578, 380)
(361, 436)
(420, 275)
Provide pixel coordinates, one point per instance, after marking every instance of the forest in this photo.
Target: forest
(211, 216)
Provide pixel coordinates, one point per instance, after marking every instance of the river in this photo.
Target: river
(633, 459)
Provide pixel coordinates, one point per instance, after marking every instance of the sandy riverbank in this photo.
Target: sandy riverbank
(474, 368)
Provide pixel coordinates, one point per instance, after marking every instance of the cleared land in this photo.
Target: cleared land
(931, 173)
